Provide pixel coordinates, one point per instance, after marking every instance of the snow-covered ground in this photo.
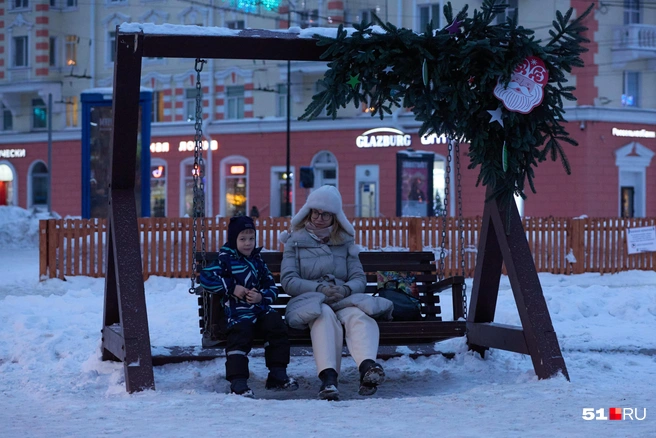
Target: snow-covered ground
(53, 383)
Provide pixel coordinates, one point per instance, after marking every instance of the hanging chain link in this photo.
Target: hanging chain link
(199, 185)
(445, 207)
(461, 227)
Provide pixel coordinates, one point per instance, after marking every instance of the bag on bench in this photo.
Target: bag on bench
(406, 306)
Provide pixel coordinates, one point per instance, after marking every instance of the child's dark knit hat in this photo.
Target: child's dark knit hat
(237, 225)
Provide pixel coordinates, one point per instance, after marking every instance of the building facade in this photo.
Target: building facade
(54, 51)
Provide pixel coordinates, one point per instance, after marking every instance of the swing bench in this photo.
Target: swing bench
(125, 333)
(420, 336)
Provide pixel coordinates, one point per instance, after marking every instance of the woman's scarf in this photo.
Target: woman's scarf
(320, 234)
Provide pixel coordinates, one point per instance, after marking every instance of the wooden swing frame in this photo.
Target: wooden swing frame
(125, 333)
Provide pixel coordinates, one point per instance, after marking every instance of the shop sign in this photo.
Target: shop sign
(12, 153)
(383, 138)
(642, 133)
(433, 139)
(159, 147)
(188, 146)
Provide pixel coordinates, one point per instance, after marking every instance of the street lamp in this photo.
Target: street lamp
(288, 203)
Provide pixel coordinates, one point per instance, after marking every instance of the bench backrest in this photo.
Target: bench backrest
(420, 265)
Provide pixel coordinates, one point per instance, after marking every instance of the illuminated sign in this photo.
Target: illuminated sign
(158, 171)
(642, 133)
(433, 139)
(237, 170)
(12, 153)
(188, 146)
(383, 138)
(159, 147)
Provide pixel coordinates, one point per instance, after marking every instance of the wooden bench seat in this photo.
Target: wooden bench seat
(431, 328)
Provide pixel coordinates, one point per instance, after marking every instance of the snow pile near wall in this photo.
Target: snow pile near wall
(19, 228)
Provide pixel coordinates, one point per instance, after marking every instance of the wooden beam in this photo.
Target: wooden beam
(533, 312)
(124, 287)
(249, 44)
(503, 239)
(492, 335)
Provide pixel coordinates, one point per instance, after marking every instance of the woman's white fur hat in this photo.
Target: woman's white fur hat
(326, 198)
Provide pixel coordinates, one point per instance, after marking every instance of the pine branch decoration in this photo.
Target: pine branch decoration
(432, 73)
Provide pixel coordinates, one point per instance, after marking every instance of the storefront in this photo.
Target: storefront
(383, 171)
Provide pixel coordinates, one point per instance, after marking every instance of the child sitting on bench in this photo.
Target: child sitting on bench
(248, 290)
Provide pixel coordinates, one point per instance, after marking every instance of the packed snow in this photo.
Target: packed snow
(53, 382)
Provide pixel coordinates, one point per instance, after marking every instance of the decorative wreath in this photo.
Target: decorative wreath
(491, 85)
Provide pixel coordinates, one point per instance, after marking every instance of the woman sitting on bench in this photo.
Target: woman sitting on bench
(321, 270)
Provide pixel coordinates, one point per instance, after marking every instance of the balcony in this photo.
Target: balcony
(634, 42)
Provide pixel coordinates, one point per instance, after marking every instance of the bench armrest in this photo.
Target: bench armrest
(455, 283)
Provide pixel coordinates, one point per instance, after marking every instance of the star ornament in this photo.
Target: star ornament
(389, 69)
(355, 80)
(454, 27)
(496, 116)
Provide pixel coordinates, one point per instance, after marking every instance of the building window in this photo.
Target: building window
(281, 100)
(20, 4)
(627, 199)
(39, 184)
(7, 188)
(71, 49)
(235, 102)
(58, 4)
(190, 104)
(158, 188)
(111, 41)
(7, 118)
(428, 14)
(511, 11)
(20, 57)
(631, 11)
(325, 169)
(632, 162)
(235, 24)
(187, 192)
(72, 107)
(366, 15)
(52, 51)
(309, 18)
(39, 114)
(157, 115)
(236, 184)
(631, 88)
(278, 196)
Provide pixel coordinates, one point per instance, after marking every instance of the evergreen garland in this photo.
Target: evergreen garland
(447, 77)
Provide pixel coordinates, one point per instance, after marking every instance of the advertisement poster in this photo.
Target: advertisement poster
(414, 185)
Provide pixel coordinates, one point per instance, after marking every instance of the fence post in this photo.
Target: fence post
(43, 250)
(414, 234)
(577, 239)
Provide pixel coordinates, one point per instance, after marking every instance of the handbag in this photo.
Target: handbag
(406, 307)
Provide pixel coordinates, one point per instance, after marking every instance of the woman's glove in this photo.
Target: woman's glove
(332, 293)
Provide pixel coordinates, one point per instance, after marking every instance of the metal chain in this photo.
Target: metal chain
(461, 227)
(445, 204)
(198, 174)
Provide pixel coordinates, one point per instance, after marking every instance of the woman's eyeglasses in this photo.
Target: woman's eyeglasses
(325, 215)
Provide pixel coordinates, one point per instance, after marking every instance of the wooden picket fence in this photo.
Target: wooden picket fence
(559, 245)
